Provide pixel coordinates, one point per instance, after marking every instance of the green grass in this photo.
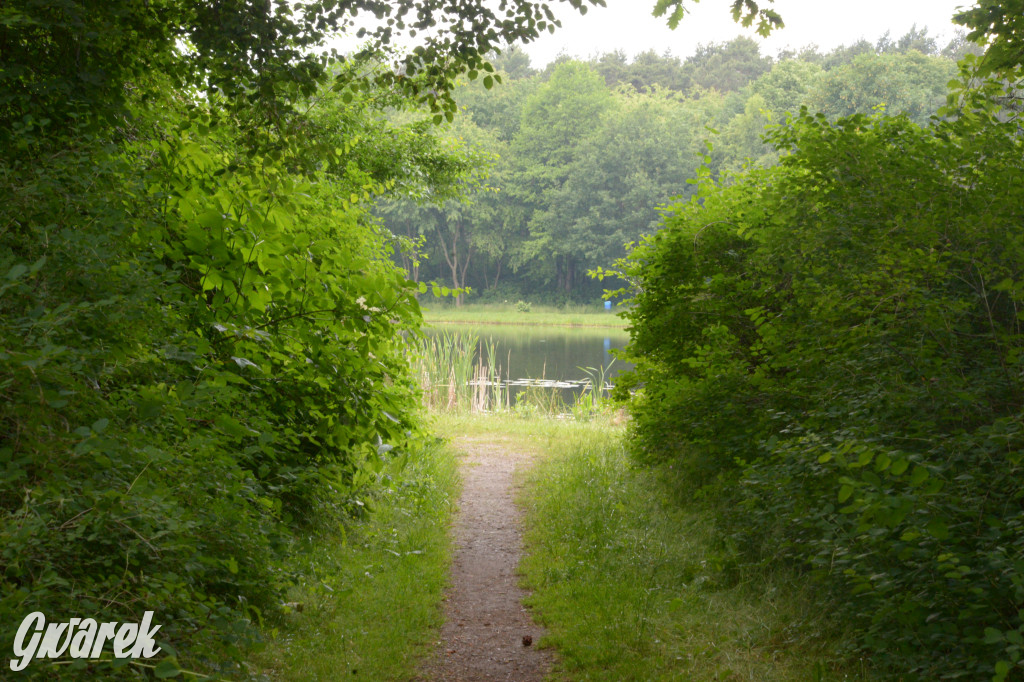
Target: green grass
(371, 593)
(506, 313)
(628, 581)
(631, 586)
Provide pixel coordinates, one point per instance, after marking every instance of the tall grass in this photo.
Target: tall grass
(590, 402)
(459, 372)
(635, 584)
(366, 606)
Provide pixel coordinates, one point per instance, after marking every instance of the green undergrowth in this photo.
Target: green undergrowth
(532, 430)
(529, 314)
(368, 605)
(632, 584)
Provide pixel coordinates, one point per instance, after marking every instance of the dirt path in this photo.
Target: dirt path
(488, 634)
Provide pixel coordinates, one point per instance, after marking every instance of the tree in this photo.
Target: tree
(1000, 25)
(513, 62)
(742, 139)
(728, 66)
(914, 39)
(787, 86)
(635, 158)
(910, 83)
(556, 121)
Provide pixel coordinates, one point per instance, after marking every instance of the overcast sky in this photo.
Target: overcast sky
(627, 25)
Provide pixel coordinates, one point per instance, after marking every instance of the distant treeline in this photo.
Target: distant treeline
(580, 155)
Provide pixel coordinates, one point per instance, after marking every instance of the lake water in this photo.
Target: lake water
(561, 359)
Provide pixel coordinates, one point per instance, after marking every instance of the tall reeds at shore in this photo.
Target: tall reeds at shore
(459, 373)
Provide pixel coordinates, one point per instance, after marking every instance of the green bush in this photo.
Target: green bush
(202, 345)
(835, 346)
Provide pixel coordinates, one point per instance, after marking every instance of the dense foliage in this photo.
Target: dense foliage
(832, 349)
(582, 153)
(200, 350)
(201, 330)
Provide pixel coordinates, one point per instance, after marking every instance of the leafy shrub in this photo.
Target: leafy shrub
(201, 352)
(835, 345)
(523, 307)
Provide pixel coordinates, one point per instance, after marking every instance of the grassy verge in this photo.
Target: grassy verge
(506, 313)
(631, 587)
(371, 591)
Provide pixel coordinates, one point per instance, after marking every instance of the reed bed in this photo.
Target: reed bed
(461, 373)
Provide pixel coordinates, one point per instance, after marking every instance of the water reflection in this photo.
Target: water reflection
(562, 359)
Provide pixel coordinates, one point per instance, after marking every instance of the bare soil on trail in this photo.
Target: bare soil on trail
(488, 634)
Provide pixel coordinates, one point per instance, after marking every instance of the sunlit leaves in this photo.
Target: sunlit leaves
(745, 12)
(998, 24)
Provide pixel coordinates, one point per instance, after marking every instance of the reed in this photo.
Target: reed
(591, 401)
(459, 372)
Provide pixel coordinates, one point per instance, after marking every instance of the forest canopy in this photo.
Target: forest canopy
(581, 154)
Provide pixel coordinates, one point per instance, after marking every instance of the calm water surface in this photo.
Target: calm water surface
(550, 356)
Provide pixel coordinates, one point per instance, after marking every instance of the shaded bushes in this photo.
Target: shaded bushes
(193, 365)
(834, 345)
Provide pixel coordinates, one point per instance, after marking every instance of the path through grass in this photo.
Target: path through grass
(372, 591)
(628, 579)
(631, 586)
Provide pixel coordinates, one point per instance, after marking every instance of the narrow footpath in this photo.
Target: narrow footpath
(488, 634)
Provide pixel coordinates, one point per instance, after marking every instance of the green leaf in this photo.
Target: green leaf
(210, 219)
(845, 492)
(166, 668)
(938, 529)
(17, 271)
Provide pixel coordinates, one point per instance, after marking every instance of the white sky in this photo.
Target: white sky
(627, 25)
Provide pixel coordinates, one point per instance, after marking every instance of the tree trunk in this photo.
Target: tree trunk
(452, 257)
(462, 277)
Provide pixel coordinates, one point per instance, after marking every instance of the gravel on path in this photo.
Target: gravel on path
(488, 634)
